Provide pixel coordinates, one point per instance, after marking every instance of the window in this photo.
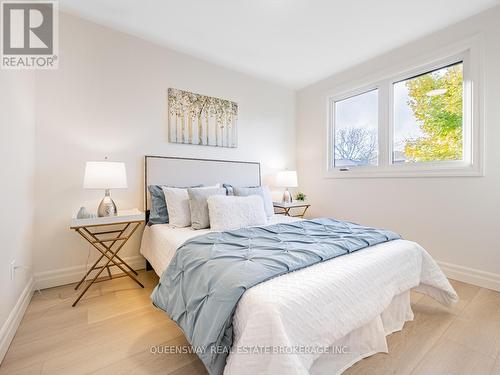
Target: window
(423, 121)
(428, 117)
(356, 128)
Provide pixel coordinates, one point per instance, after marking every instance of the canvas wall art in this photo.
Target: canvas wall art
(201, 120)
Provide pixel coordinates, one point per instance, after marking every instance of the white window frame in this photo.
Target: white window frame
(468, 52)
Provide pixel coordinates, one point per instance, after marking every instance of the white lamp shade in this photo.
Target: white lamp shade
(286, 179)
(105, 175)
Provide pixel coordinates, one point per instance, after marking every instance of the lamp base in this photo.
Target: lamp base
(107, 207)
(287, 197)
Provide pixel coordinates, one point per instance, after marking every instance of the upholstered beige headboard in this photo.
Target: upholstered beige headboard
(175, 171)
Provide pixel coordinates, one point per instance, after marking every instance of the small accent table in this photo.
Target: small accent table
(285, 208)
(118, 230)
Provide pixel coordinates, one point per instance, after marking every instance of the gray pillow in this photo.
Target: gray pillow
(158, 213)
(230, 188)
(262, 191)
(199, 207)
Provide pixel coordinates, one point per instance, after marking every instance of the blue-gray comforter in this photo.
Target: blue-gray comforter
(209, 273)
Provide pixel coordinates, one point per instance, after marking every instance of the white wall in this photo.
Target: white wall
(109, 97)
(455, 219)
(17, 132)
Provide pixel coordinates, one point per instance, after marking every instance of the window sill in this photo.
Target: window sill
(415, 171)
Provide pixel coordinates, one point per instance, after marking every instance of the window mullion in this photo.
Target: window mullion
(383, 125)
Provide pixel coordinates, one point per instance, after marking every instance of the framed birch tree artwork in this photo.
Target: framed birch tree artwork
(201, 120)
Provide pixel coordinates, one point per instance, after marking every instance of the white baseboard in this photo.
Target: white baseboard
(68, 275)
(473, 276)
(10, 326)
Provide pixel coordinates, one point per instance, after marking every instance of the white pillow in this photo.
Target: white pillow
(232, 212)
(177, 200)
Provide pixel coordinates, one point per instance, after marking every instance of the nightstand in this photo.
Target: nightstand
(108, 241)
(285, 208)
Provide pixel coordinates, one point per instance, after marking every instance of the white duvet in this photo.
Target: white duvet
(319, 306)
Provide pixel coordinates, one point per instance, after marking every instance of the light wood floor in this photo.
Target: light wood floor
(112, 330)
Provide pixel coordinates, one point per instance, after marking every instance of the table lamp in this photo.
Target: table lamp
(105, 175)
(287, 179)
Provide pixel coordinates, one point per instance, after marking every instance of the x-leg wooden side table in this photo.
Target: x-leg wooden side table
(108, 242)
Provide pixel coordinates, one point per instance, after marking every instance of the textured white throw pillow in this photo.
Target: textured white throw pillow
(231, 212)
(179, 214)
(262, 191)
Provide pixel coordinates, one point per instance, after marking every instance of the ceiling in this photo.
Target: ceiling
(291, 42)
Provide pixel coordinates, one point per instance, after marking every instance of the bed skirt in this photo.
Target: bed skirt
(358, 344)
(366, 340)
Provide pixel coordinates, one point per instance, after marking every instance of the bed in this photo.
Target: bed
(317, 320)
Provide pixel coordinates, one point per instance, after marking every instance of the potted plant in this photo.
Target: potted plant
(300, 197)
